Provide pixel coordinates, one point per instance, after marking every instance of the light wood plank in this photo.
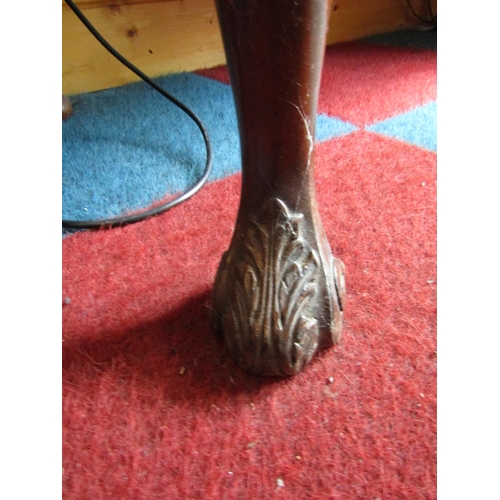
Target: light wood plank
(355, 19)
(172, 36)
(159, 38)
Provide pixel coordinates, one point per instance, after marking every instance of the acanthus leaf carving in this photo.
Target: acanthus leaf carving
(270, 319)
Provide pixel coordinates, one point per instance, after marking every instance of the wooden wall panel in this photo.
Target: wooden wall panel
(158, 37)
(354, 19)
(170, 36)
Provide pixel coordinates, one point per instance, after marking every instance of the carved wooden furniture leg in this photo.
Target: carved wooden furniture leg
(279, 291)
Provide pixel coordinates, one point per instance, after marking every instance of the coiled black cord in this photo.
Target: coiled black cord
(129, 219)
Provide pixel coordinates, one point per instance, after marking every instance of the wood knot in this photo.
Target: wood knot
(131, 32)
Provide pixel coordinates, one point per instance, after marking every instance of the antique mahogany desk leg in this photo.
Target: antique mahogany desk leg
(279, 291)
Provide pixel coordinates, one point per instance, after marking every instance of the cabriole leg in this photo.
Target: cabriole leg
(278, 295)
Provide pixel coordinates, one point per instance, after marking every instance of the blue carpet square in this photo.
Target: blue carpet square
(128, 147)
(417, 127)
(328, 127)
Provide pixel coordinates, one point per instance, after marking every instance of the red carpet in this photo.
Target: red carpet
(153, 408)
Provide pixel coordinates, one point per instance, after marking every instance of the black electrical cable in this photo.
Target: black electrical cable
(120, 221)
